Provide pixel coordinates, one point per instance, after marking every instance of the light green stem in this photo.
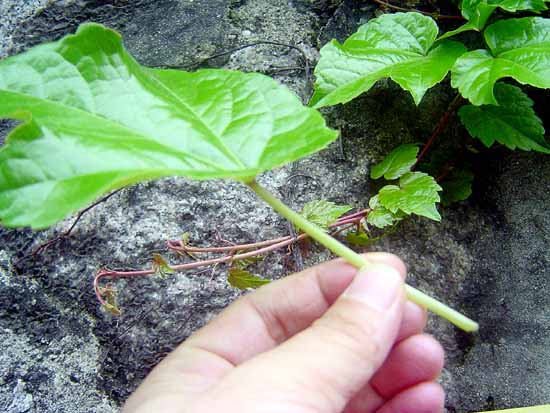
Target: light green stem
(533, 409)
(358, 261)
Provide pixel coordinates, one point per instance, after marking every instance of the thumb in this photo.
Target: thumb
(330, 361)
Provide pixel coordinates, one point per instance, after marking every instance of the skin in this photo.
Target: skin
(325, 340)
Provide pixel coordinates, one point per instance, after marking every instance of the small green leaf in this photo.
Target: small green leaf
(359, 240)
(323, 213)
(457, 186)
(160, 266)
(513, 123)
(243, 279)
(381, 217)
(520, 49)
(399, 46)
(417, 193)
(96, 120)
(396, 163)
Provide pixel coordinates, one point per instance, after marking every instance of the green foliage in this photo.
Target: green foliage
(360, 239)
(379, 216)
(512, 123)
(243, 279)
(457, 186)
(323, 213)
(400, 46)
(477, 12)
(416, 193)
(396, 163)
(518, 48)
(96, 120)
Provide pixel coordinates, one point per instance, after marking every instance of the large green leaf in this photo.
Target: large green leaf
(520, 48)
(96, 120)
(477, 12)
(417, 193)
(399, 46)
(396, 163)
(513, 123)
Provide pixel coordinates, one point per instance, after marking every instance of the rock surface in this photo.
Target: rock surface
(489, 256)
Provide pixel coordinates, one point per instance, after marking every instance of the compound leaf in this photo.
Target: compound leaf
(243, 279)
(417, 193)
(323, 213)
(396, 163)
(513, 123)
(96, 120)
(399, 46)
(520, 48)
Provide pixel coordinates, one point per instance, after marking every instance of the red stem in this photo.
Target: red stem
(440, 128)
(267, 246)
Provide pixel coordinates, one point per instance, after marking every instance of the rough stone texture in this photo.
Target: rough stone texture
(489, 256)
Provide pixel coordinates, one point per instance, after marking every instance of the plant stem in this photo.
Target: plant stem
(357, 260)
(455, 103)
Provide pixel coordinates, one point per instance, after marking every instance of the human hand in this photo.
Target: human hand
(321, 341)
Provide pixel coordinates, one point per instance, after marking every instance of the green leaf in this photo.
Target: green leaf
(417, 193)
(360, 240)
(243, 279)
(513, 123)
(96, 120)
(399, 46)
(396, 163)
(520, 49)
(381, 217)
(477, 12)
(457, 186)
(323, 213)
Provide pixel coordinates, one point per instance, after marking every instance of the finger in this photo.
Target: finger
(422, 398)
(414, 360)
(270, 315)
(327, 363)
(414, 321)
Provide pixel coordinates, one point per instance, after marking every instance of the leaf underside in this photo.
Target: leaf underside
(512, 123)
(519, 48)
(399, 46)
(323, 213)
(96, 120)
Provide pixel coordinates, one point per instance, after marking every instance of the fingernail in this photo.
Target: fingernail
(378, 286)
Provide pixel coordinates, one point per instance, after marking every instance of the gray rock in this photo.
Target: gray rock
(489, 256)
